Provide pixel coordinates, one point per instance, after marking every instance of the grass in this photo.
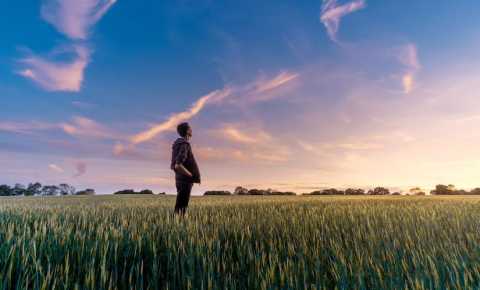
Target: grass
(298, 242)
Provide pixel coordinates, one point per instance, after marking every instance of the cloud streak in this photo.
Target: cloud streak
(234, 134)
(54, 75)
(74, 18)
(408, 57)
(258, 88)
(25, 127)
(332, 13)
(56, 168)
(174, 119)
(78, 127)
(85, 127)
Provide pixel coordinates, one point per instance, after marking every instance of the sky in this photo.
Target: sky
(281, 94)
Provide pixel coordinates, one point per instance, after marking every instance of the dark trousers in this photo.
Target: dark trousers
(183, 196)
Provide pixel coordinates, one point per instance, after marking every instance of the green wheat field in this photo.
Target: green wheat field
(235, 242)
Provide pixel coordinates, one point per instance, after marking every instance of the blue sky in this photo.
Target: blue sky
(293, 95)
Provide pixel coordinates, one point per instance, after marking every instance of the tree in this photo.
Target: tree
(240, 190)
(34, 189)
(416, 191)
(50, 190)
(441, 189)
(131, 191)
(282, 193)
(18, 189)
(330, 191)
(5, 190)
(475, 191)
(353, 191)
(379, 191)
(88, 191)
(66, 189)
(146, 191)
(256, 192)
(125, 191)
(217, 192)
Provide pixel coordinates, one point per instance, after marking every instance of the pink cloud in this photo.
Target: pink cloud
(81, 168)
(56, 168)
(85, 127)
(78, 127)
(54, 75)
(279, 80)
(25, 127)
(332, 13)
(235, 134)
(408, 57)
(74, 18)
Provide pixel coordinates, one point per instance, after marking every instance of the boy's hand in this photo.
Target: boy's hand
(183, 170)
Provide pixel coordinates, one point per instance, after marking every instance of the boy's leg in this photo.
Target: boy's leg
(183, 196)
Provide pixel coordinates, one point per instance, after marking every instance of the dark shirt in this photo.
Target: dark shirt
(182, 154)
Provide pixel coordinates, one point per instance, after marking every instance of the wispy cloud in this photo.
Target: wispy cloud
(54, 75)
(262, 86)
(83, 105)
(174, 119)
(25, 127)
(235, 134)
(81, 168)
(340, 145)
(79, 126)
(216, 97)
(56, 168)
(74, 18)
(408, 57)
(332, 13)
(252, 155)
(85, 127)
(266, 89)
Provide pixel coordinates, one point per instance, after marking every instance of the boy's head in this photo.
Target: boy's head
(184, 130)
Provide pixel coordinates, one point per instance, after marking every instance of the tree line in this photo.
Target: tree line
(440, 189)
(37, 189)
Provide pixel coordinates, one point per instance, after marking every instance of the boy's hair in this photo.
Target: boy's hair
(182, 129)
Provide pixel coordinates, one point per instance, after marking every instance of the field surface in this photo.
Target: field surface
(298, 242)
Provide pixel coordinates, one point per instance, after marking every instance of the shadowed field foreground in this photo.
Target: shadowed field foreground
(113, 242)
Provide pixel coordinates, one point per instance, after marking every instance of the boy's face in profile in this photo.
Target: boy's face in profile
(189, 133)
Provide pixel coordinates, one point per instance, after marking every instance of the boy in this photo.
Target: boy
(185, 167)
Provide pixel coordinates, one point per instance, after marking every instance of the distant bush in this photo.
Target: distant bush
(240, 190)
(131, 191)
(354, 191)
(217, 192)
(243, 191)
(475, 191)
(146, 191)
(330, 191)
(87, 191)
(378, 191)
(450, 189)
(282, 193)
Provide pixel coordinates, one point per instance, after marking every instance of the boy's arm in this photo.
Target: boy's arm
(182, 169)
(180, 158)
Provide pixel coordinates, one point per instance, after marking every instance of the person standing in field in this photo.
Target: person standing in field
(185, 167)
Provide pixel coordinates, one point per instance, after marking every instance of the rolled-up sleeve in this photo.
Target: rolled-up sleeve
(182, 154)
